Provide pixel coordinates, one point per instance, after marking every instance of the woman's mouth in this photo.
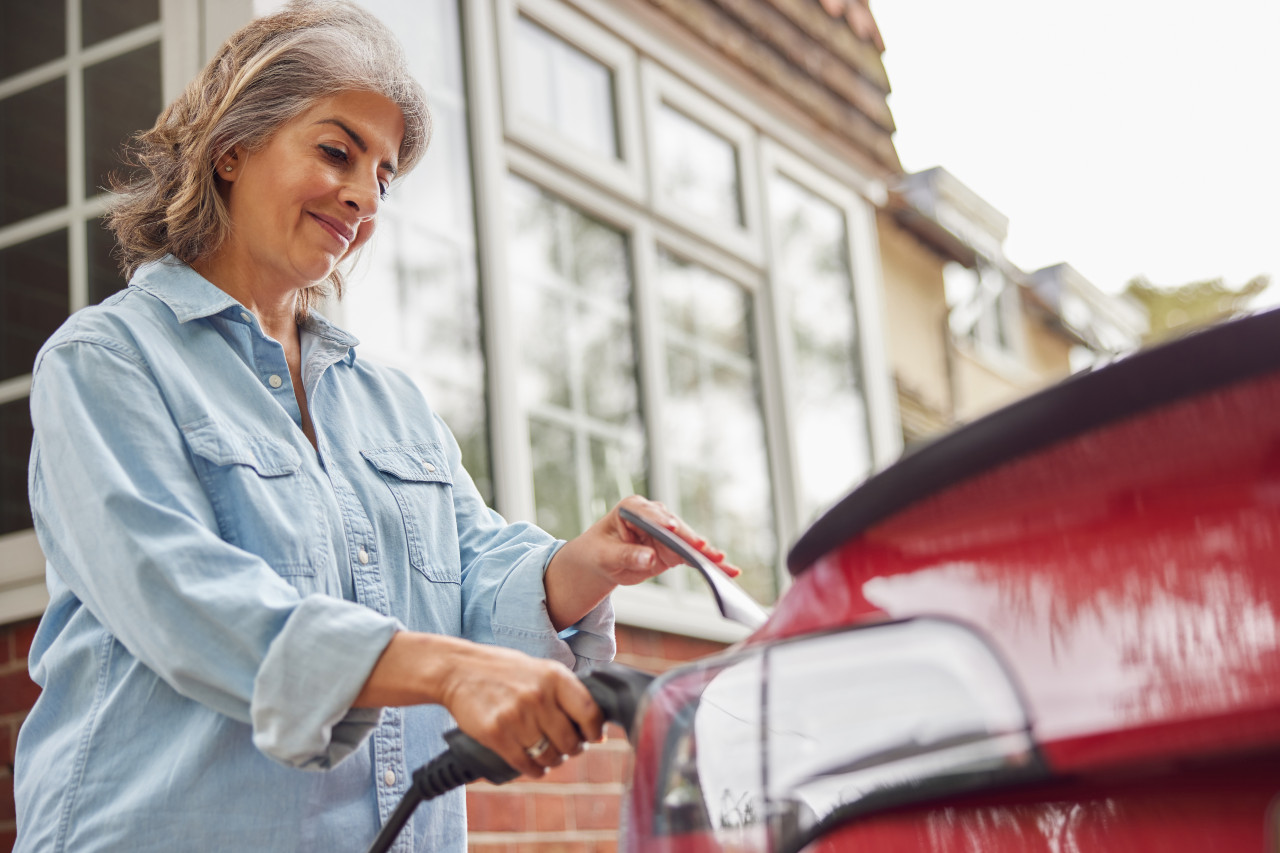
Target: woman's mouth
(339, 231)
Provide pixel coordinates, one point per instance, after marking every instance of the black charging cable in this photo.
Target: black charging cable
(615, 688)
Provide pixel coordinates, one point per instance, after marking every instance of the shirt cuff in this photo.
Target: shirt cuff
(313, 670)
(520, 618)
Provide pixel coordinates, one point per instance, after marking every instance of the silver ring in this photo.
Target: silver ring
(539, 749)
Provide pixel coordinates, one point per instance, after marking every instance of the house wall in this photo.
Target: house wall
(916, 317)
(17, 694)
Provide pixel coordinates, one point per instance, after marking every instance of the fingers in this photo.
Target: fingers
(659, 514)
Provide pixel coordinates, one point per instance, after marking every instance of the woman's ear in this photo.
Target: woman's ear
(228, 165)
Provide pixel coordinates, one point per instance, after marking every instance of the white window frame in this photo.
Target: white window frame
(22, 565)
(661, 88)
(884, 429)
(622, 175)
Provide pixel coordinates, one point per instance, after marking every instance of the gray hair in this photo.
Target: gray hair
(268, 73)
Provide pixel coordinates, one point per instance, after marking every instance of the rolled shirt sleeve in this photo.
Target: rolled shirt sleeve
(126, 525)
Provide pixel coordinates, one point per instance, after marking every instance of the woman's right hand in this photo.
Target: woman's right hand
(506, 700)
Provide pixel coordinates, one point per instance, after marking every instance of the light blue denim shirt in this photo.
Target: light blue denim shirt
(220, 590)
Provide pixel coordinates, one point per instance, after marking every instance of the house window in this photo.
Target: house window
(984, 311)
(814, 285)
(697, 169)
(571, 292)
(415, 303)
(71, 94)
(564, 89)
(713, 427)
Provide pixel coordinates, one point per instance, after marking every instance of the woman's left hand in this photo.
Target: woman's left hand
(612, 553)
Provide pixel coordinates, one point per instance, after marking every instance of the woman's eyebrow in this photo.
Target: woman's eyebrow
(358, 140)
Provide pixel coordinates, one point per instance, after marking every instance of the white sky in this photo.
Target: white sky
(1125, 137)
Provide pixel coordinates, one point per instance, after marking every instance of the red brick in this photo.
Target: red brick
(8, 838)
(640, 642)
(597, 811)
(552, 847)
(8, 811)
(496, 811)
(573, 770)
(679, 648)
(605, 847)
(8, 737)
(550, 813)
(606, 764)
(17, 692)
(23, 634)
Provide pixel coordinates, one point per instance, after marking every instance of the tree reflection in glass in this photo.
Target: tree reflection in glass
(714, 424)
(815, 287)
(571, 289)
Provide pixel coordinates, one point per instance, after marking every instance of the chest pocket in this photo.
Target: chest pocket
(419, 477)
(262, 503)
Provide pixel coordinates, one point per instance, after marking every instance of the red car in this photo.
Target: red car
(1054, 629)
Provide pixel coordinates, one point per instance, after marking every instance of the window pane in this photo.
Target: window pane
(816, 288)
(121, 97)
(31, 34)
(417, 307)
(571, 283)
(33, 151)
(714, 430)
(555, 486)
(561, 87)
(104, 272)
(697, 169)
(15, 447)
(102, 19)
(34, 293)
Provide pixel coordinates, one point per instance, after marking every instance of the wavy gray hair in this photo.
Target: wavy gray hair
(266, 74)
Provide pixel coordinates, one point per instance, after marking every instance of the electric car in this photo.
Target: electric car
(1054, 629)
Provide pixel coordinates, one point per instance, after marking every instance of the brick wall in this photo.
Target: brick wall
(575, 808)
(17, 695)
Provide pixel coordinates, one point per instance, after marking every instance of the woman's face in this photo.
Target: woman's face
(311, 195)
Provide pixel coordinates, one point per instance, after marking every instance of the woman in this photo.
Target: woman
(265, 556)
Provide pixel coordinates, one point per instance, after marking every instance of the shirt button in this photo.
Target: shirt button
(389, 778)
(275, 381)
(431, 469)
(245, 316)
(363, 556)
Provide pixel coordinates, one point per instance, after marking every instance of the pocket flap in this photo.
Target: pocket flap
(270, 457)
(414, 463)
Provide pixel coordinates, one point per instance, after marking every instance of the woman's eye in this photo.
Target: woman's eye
(335, 153)
(383, 191)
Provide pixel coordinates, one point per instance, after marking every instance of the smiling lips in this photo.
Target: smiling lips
(337, 228)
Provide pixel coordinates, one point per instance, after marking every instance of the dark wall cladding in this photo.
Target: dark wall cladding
(15, 447)
(34, 292)
(33, 151)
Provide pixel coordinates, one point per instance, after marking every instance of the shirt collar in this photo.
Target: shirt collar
(191, 296)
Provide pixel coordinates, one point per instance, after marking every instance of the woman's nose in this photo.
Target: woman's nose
(362, 199)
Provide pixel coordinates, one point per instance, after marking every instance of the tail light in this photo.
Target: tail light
(764, 749)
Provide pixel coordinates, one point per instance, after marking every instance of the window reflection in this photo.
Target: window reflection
(714, 425)
(33, 289)
(815, 285)
(562, 88)
(121, 97)
(33, 151)
(414, 300)
(31, 34)
(15, 448)
(100, 21)
(571, 286)
(697, 169)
